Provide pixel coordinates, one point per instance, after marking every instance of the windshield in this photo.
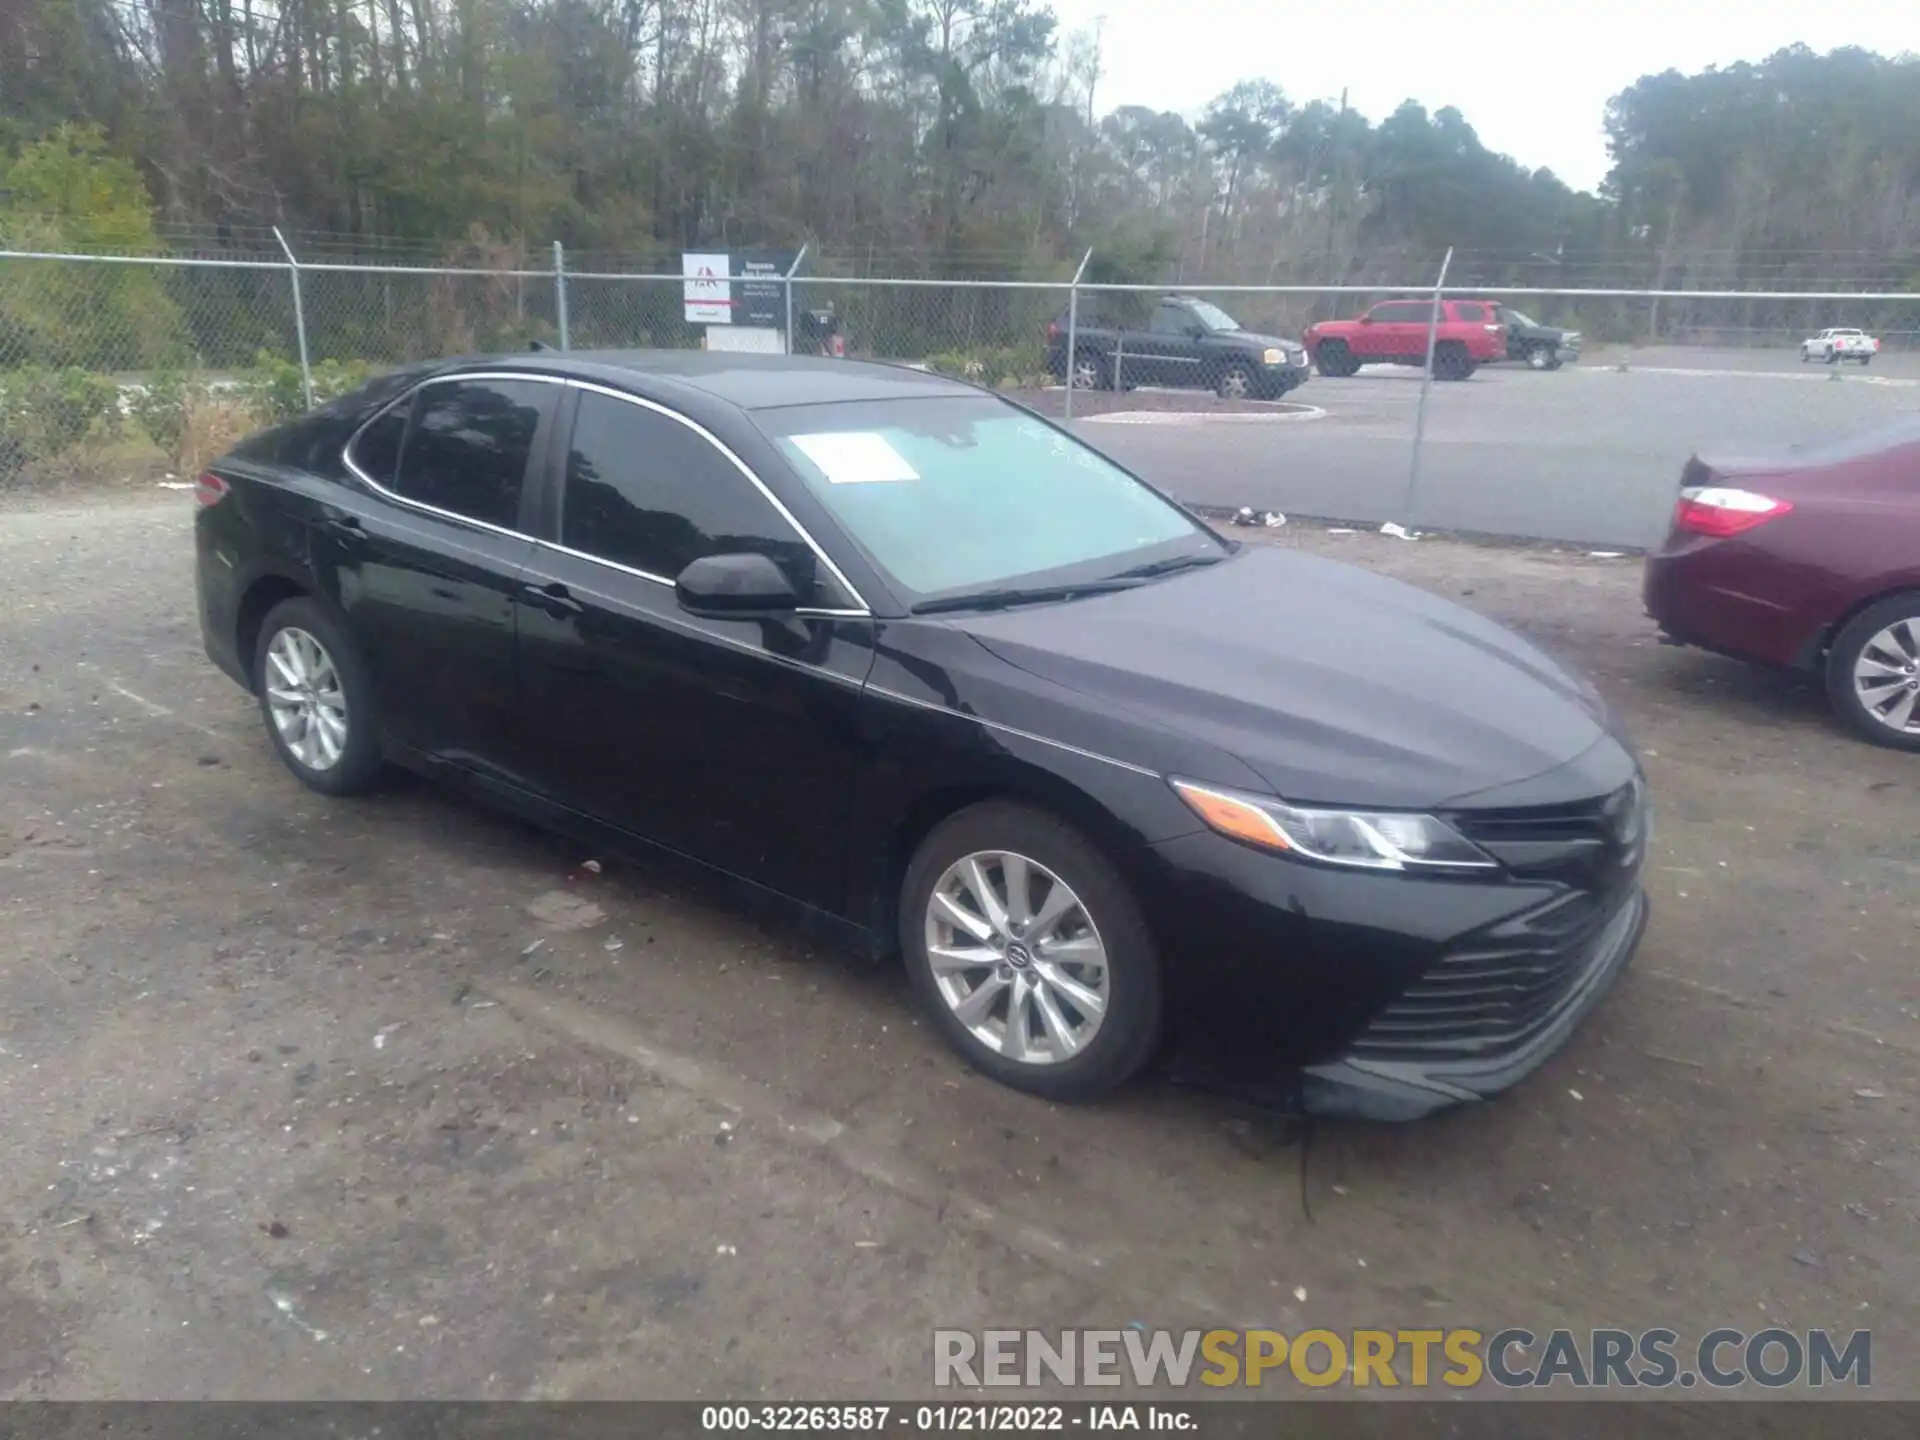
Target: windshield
(1514, 317)
(949, 496)
(1212, 316)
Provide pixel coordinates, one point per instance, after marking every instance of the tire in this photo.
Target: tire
(1539, 357)
(1451, 361)
(1091, 372)
(1886, 636)
(1334, 359)
(1236, 383)
(1833, 357)
(331, 745)
(969, 849)
(1865, 360)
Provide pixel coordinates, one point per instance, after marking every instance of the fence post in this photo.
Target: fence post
(1426, 384)
(560, 292)
(299, 317)
(1073, 328)
(793, 270)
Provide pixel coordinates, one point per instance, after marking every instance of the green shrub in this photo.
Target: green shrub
(999, 366)
(47, 412)
(161, 408)
(278, 394)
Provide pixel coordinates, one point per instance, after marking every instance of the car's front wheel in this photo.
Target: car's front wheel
(1332, 358)
(1235, 383)
(1873, 672)
(316, 699)
(1030, 953)
(1540, 357)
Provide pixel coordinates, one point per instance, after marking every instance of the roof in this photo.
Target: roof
(751, 382)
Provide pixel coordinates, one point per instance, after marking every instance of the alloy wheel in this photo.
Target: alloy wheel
(1016, 957)
(1236, 384)
(1086, 374)
(306, 700)
(1886, 677)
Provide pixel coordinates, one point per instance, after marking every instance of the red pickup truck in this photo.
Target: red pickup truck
(1394, 332)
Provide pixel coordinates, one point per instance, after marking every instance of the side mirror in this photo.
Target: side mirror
(1197, 331)
(1366, 319)
(735, 587)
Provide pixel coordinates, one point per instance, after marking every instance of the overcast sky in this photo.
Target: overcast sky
(1532, 78)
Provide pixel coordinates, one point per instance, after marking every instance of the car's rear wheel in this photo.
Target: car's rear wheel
(1089, 373)
(316, 699)
(1236, 383)
(1333, 358)
(1873, 672)
(1030, 953)
(1451, 361)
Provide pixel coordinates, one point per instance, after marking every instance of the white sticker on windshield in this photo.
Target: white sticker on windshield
(856, 457)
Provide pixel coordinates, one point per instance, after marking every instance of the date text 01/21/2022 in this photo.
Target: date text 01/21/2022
(966, 1419)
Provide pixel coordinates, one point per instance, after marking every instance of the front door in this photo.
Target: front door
(424, 561)
(731, 741)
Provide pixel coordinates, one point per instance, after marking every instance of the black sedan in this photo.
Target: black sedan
(927, 670)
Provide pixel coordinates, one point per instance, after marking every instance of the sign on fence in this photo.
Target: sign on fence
(745, 289)
(709, 292)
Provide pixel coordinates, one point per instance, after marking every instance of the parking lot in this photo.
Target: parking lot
(396, 1098)
(1589, 454)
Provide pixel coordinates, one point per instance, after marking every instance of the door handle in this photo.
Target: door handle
(344, 527)
(554, 598)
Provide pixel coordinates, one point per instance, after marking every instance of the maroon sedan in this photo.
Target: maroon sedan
(1808, 560)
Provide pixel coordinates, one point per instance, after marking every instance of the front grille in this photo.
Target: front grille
(1497, 996)
(1585, 843)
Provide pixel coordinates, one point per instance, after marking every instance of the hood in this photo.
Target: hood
(1254, 337)
(1335, 685)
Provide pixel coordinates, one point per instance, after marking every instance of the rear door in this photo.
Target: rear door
(1395, 329)
(1171, 350)
(731, 741)
(424, 559)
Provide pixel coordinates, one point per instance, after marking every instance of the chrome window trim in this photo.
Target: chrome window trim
(718, 444)
(805, 611)
(936, 706)
(346, 450)
(863, 612)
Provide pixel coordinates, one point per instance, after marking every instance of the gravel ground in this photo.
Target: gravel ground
(397, 1099)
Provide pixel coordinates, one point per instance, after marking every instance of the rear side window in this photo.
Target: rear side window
(1469, 310)
(648, 492)
(467, 449)
(376, 449)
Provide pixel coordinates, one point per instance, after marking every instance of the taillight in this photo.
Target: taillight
(209, 489)
(1719, 510)
(1496, 329)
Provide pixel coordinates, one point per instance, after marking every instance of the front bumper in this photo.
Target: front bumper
(1279, 379)
(1386, 1077)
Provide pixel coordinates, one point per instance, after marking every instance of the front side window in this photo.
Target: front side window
(1400, 312)
(958, 494)
(647, 492)
(467, 449)
(1172, 320)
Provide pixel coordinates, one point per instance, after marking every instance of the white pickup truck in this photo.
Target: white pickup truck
(1833, 346)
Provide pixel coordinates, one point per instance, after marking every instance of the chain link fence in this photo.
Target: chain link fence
(135, 366)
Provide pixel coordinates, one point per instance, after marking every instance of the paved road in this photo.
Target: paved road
(393, 1099)
(1587, 454)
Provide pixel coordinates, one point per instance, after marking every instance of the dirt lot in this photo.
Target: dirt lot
(395, 1099)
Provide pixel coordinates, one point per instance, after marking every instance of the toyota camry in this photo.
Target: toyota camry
(935, 675)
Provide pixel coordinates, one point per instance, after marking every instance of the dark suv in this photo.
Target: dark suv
(1184, 342)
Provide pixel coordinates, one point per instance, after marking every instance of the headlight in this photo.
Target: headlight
(1274, 357)
(1371, 840)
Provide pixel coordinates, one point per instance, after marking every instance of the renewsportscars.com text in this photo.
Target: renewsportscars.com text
(1513, 1358)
